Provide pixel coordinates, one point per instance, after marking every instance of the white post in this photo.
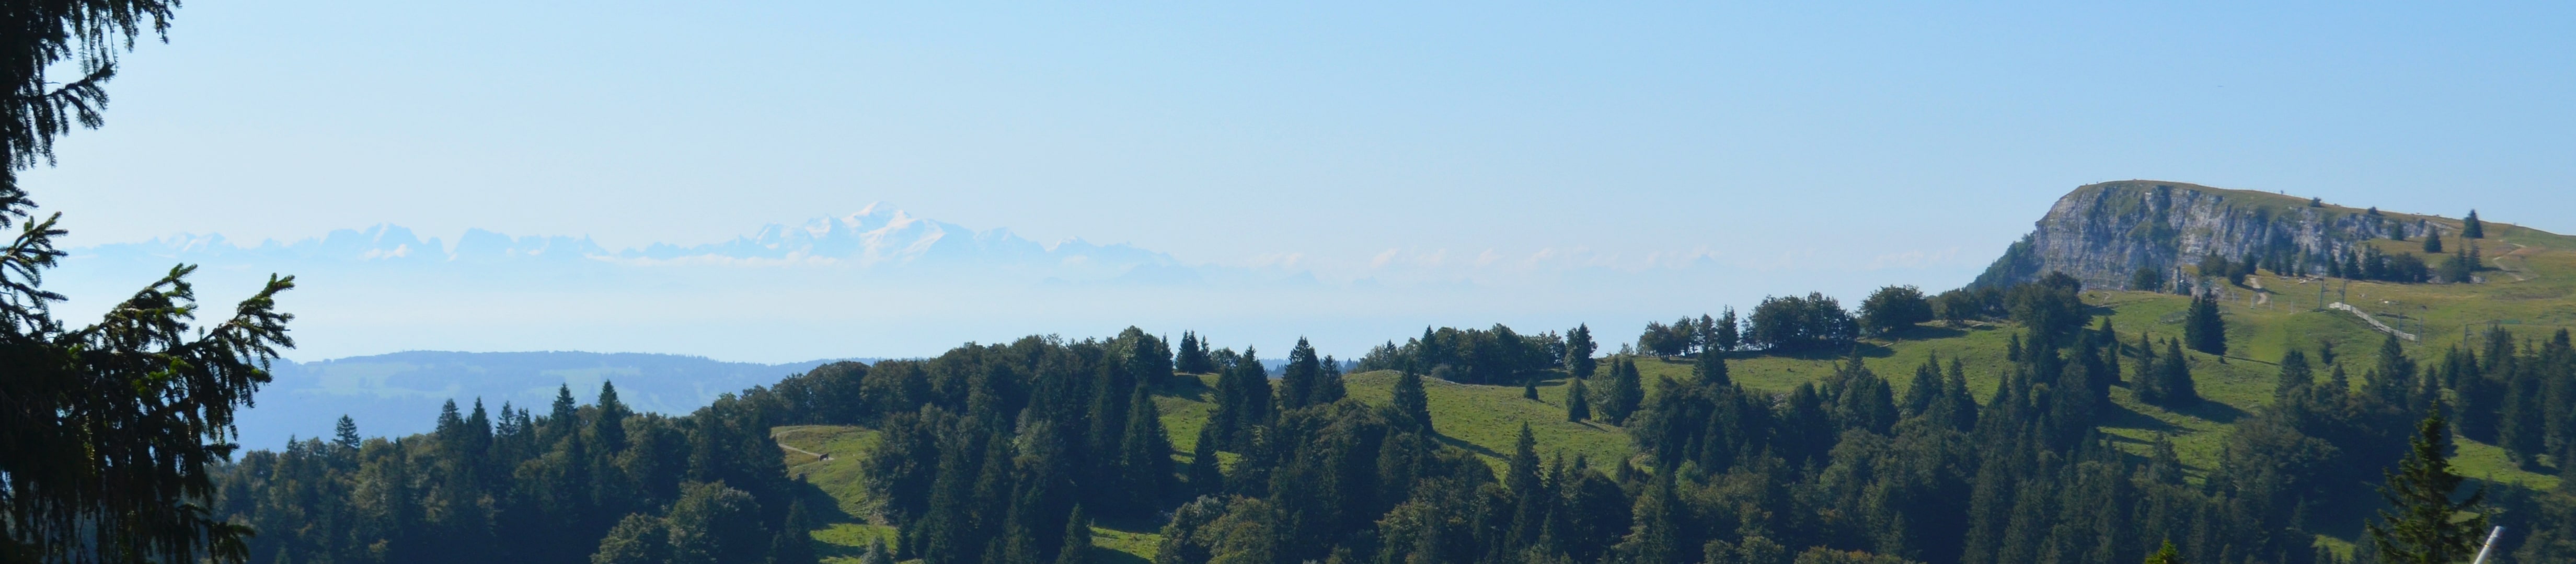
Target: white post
(2490, 545)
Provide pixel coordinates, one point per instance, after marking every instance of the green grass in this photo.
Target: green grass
(1486, 419)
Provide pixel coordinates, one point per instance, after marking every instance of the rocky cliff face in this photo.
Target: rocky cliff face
(2102, 234)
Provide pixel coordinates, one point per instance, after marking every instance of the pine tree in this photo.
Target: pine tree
(795, 544)
(1729, 337)
(2422, 525)
(1626, 392)
(1412, 402)
(1710, 368)
(1578, 404)
(2203, 329)
(1146, 460)
(1205, 476)
(1298, 380)
(2165, 555)
(2295, 374)
(1579, 348)
(345, 434)
(1077, 539)
(2472, 228)
(2433, 242)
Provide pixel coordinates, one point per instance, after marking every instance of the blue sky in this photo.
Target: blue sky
(1797, 147)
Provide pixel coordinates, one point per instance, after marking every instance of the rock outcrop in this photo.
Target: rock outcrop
(2103, 234)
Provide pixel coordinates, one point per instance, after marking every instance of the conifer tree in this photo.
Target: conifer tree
(2422, 525)
(2165, 555)
(1298, 380)
(1710, 368)
(1146, 460)
(2110, 341)
(2203, 329)
(2173, 381)
(1578, 404)
(1076, 548)
(1626, 391)
(1579, 348)
(1729, 336)
(345, 434)
(1412, 402)
(1205, 476)
(2433, 242)
(2295, 374)
(2472, 228)
(795, 544)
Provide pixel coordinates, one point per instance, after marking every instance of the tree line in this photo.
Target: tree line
(1006, 453)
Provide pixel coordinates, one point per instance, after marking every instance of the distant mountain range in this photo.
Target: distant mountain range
(873, 238)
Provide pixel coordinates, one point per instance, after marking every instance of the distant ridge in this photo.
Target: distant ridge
(2103, 233)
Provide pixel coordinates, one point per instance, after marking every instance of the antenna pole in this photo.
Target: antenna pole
(2490, 544)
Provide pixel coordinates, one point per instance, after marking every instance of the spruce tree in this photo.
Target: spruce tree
(1298, 380)
(2203, 329)
(1077, 539)
(2432, 242)
(1578, 404)
(2165, 555)
(2472, 228)
(2295, 374)
(1412, 402)
(1729, 337)
(1626, 391)
(795, 544)
(1146, 460)
(1205, 476)
(1579, 348)
(2422, 525)
(1710, 368)
(345, 434)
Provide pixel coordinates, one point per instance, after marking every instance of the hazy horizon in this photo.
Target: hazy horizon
(1429, 164)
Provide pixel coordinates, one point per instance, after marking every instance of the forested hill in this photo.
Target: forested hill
(2104, 234)
(2241, 409)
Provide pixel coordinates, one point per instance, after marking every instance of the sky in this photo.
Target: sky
(1782, 148)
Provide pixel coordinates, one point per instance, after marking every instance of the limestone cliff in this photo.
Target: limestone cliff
(2104, 233)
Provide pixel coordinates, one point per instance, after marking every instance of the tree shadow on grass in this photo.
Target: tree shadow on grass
(2212, 411)
(1926, 333)
(2121, 417)
(819, 504)
(1185, 386)
(1470, 447)
(1100, 555)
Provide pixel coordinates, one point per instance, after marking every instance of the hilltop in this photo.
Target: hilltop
(2102, 234)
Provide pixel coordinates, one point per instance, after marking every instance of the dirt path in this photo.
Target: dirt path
(2515, 270)
(816, 455)
(2262, 297)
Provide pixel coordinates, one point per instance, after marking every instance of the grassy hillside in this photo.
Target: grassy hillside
(2531, 293)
